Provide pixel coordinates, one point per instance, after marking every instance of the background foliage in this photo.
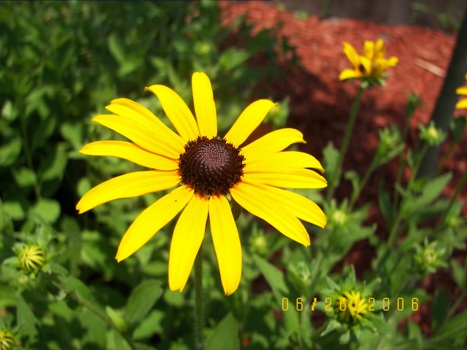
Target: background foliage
(61, 63)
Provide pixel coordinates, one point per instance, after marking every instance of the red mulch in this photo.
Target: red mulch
(320, 103)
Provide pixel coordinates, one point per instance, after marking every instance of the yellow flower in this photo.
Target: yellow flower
(7, 340)
(206, 171)
(372, 64)
(31, 258)
(462, 91)
(352, 306)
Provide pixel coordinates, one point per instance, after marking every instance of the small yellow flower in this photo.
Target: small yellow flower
(352, 307)
(371, 64)
(31, 258)
(463, 92)
(7, 340)
(205, 172)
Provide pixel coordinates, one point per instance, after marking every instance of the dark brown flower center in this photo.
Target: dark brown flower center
(211, 166)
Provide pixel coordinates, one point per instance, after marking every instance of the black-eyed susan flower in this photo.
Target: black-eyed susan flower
(206, 172)
(372, 64)
(462, 91)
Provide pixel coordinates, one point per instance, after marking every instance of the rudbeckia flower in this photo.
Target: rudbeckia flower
(371, 64)
(205, 172)
(462, 91)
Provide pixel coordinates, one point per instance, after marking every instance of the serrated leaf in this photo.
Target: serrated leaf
(141, 300)
(26, 319)
(431, 191)
(225, 336)
(273, 276)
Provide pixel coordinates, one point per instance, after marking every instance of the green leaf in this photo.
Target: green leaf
(276, 280)
(141, 300)
(273, 276)
(116, 48)
(9, 152)
(430, 191)
(75, 285)
(440, 307)
(54, 165)
(26, 319)
(24, 177)
(385, 204)
(225, 336)
(48, 209)
(455, 327)
(73, 133)
(232, 58)
(14, 210)
(331, 156)
(458, 273)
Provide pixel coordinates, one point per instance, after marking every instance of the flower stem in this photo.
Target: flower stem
(334, 180)
(198, 310)
(93, 309)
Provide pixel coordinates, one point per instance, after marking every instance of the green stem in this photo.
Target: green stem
(400, 167)
(363, 182)
(394, 230)
(199, 317)
(93, 309)
(345, 143)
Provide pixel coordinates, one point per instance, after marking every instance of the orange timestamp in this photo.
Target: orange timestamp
(371, 304)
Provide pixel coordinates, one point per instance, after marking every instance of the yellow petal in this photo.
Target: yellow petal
(366, 63)
(282, 162)
(127, 186)
(462, 90)
(141, 134)
(205, 107)
(462, 104)
(351, 54)
(177, 111)
(272, 142)
(248, 121)
(298, 205)
(264, 205)
(379, 49)
(151, 220)
(392, 61)
(301, 178)
(226, 243)
(133, 110)
(131, 152)
(349, 74)
(186, 240)
(368, 49)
